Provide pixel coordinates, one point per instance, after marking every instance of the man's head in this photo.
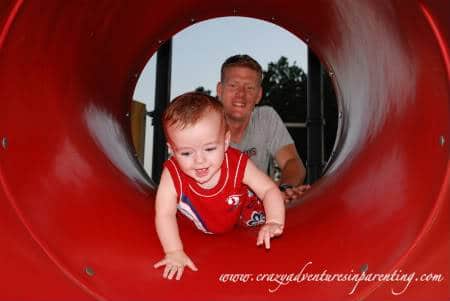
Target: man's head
(197, 135)
(241, 60)
(240, 88)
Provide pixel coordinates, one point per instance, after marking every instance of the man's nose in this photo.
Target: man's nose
(240, 90)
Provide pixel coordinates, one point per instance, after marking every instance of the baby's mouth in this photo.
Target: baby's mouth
(201, 172)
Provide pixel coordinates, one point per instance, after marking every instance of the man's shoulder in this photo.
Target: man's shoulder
(265, 114)
(265, 110)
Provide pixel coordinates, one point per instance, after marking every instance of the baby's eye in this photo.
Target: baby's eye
(210, 149)
(185, 154)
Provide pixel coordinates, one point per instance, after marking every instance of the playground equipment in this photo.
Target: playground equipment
(76, 212)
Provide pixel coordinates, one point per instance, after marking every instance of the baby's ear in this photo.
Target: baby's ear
(227, 140)
(169, 149)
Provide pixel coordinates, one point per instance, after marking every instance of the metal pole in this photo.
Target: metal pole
(314, 119)
(162, 99)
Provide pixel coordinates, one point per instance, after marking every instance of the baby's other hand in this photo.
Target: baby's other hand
(268, 231)
(175, 262)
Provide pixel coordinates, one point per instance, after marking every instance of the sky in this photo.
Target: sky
(199, 50)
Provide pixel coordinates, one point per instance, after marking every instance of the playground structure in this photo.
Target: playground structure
(76, 212)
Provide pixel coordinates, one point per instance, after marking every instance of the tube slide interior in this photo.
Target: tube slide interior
(76, 212)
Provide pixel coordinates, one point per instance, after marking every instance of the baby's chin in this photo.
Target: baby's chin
(199, 180)
(203, 182)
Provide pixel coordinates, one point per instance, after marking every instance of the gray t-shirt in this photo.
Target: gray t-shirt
(264, 136)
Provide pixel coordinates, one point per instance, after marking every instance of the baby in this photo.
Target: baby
(208, 181)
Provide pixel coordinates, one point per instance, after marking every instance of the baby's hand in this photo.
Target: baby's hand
(268, 231)
(175, 262)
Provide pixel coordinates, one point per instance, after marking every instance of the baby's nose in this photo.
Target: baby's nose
(199, 158)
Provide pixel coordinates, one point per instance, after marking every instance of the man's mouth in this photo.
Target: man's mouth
(239, 104)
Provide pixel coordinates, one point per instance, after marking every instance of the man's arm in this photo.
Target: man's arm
(292, 169)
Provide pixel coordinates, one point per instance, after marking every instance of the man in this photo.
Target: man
(259, 131)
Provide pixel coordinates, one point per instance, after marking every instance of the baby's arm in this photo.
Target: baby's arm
(273, 202)
(167, 229)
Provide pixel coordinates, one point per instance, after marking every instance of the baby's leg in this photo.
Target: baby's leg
(252, 213)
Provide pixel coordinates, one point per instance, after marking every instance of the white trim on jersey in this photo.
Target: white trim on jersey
(237, 170)
(186, 210)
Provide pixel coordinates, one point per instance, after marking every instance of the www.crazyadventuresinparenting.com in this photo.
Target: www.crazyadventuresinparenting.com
(279, 280)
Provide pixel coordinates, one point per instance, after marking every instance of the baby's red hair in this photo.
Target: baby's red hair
(186, 109)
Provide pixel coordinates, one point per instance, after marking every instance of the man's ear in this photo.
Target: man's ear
(260, 94)
(227, 139)
(219, 88)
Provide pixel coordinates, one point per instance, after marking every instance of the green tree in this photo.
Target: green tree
(284, 89)
(202, 89)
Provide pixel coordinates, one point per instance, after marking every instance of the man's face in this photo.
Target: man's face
(239, 92)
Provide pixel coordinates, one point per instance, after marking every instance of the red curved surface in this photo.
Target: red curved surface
(73, 198)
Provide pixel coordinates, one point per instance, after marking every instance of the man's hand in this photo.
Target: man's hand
(268, 231)
(175, 262)
(295, 193)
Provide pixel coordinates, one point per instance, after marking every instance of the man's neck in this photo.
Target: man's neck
(237, 129)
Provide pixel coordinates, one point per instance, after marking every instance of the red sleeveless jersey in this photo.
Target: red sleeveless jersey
(218, 209)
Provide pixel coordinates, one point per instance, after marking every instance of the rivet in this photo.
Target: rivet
(192, 20)
(160, 41)
(442, 140)
(127, 114)
(364, 268)
(307, 40)
(273, 18)
(136, 75)
(5, 142)
(340, 115)
(89, 271)
(331, 73)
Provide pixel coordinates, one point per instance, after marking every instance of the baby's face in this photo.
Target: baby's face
(200, 148)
